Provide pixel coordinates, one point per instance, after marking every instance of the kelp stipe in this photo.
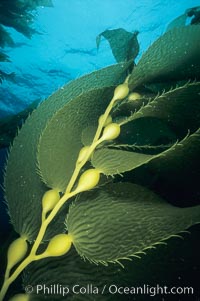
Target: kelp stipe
(61, 243)
(78, 138)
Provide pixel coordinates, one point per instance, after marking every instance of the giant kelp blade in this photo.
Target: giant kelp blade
(186, 150)
(23, 185)
(116, 161)
(60, 142)
(150, 131)
(134, 148)
(156, 121)
(9, 125)
(72, 272)
(173, 56)
(179, 167)
(178, 22)
(87, 135)
(185, 100)
(177, 164)
(130, 219)
(174, 172)
(166, 263)
(143, 131)
(124, 44)
(194, 14)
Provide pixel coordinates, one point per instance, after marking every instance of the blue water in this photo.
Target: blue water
(65, 47)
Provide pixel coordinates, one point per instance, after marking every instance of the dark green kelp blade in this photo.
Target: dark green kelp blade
(178, 170)
(72, 272)
(164, 108)
(143, 131)
(130, 219)
(173, 56)
(9, 125)
(116, 161)
(181, 155)
(178, 22)
(179, 108)
(87, 135)
(193, 13)
(183, 20)
(124, 44)
(23, 186)
(60, 142)
(173, 160)
(121, 156)
(165, 264)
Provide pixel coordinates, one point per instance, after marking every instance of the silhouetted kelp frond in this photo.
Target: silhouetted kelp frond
(18, 15)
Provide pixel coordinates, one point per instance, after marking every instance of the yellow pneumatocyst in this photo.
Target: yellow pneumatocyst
(111, 131)
(82, 154)
(121, 91)
(16, 252)
(88, 180)
(59, 245)
(20, 297)
(134, 96)
(50, 199)
(108, 120)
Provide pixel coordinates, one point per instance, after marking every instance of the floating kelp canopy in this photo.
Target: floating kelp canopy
(18, 15)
